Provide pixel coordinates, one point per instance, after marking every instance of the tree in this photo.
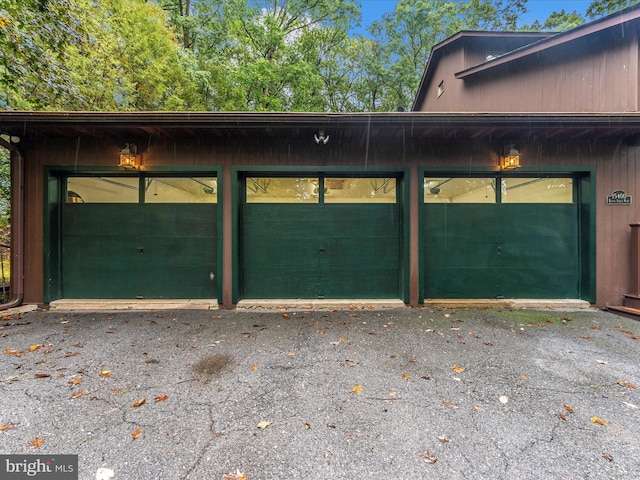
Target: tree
(404, 38)
(601, 8)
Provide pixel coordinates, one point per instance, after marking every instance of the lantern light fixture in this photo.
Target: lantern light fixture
(129, 157)
(510, 158)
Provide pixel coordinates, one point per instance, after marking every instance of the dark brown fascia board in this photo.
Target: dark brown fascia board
(436, 52)
(611, 21)
(20, 123)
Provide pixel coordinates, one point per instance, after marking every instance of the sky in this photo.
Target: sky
(536, 9)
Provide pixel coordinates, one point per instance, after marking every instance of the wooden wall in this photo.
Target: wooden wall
(614, 161)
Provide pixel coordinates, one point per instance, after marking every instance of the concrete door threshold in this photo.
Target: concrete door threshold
(319, 304)
(143, 304)
(555, 304)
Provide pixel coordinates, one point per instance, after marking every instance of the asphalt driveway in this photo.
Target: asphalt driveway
(354, 393)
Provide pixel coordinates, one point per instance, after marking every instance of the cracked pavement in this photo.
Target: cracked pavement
(451, 394)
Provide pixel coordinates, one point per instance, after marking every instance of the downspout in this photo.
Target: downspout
(17, 226)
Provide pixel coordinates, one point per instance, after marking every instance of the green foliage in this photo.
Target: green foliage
(5, 192)
(601, 8)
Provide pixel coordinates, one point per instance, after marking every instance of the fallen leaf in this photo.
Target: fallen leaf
(630, 405)
(307, 426)
(626, 384)
(406, 377)
(104, 474)
(75, 381)
(17, 353)
(6, 426)
(457, 369)
(451, 405)
(356, 388)
(238, 475)
(285, 315)
(523, 377)
(563, 417)
(504, 399)
(80, 393)
(262, 425)
(37, 442)
(392, 394)
(567, 408)
(136, 434)
(42, 375)
(601, 362)
(350, 363)
(599, 421)
(428, 456)
(443, 439)
(607, 456)
(71, 354)
(140, 402)
(162, 398)
(33, 348)
(105, 373)
(254, 367)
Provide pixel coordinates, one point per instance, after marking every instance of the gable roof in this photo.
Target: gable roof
(540, 41)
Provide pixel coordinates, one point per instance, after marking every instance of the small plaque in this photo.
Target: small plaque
(619, 197)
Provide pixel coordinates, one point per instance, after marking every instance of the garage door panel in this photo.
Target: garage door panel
(139, 251)
(320, 250)
(501, 250)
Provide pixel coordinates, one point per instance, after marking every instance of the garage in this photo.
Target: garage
(137, 236)
(321, 236)
(504, 236)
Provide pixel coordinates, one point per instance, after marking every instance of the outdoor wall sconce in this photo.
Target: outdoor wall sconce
(510, 159)
(129, 157)
(321, 138)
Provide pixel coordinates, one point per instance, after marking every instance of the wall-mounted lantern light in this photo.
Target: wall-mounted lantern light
(321, 137)
(510, 158)
(129, 157)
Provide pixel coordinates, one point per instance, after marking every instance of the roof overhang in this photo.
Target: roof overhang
(396, 124)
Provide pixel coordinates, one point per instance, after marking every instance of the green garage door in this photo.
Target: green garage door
(117, 243)
(320, 238)
(518, 241)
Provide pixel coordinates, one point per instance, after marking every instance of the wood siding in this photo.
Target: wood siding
(579, 76)
(615, 162)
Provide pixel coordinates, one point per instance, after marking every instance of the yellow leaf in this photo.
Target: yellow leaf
(37, 442)
(626, 384)
(262, 425)
(356, 388)
(80, 393)
(523, 377)
(161, 398)
(136, 434)
(406, 377)
(6, 426)
(33, 348)
(599, 421)
(457, 369)
(238, 475)
(75, 381)
(139, 403)
(105, 373)
(17, 353)
(254, 367)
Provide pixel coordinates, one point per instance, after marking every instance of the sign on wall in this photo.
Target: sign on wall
(618, 197)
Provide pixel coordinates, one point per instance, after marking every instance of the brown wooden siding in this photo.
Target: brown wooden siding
(576, 77)
(615, 163)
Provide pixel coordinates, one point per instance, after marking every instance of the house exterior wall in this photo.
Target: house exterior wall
(579, 76)
(614, 162)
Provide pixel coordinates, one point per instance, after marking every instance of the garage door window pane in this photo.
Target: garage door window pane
(181, 190)
(102, 190)
(281, 190)
(537, 190)
(459, 190)
(359, 190)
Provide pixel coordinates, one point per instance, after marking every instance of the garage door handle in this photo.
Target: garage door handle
(499, 250)
(140, 249)
(321, 250)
